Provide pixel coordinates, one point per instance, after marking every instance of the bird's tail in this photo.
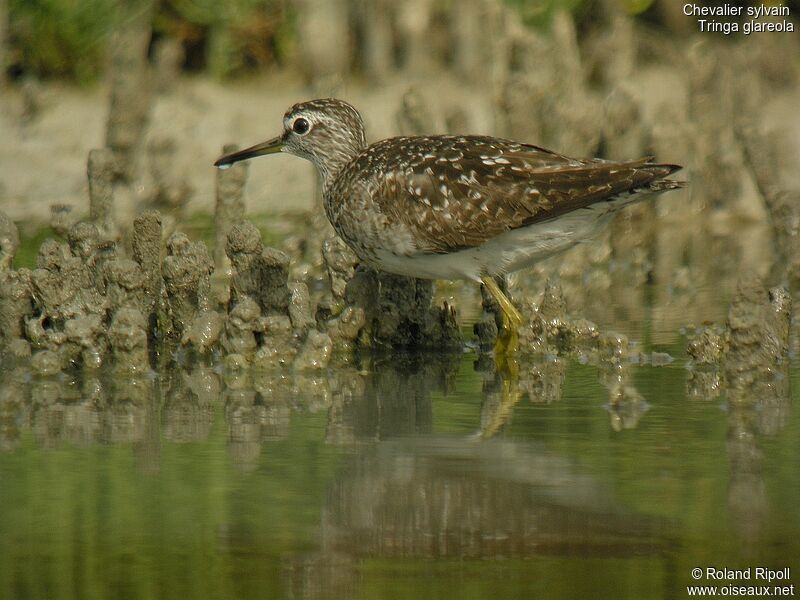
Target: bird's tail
(660, 171)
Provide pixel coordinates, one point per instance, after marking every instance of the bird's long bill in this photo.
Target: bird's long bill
(269, 147)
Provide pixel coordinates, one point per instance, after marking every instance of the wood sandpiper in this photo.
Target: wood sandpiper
(456, 207)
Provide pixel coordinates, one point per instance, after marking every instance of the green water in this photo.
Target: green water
(374, 483)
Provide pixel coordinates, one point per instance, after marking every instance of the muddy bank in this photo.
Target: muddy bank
(88, 303)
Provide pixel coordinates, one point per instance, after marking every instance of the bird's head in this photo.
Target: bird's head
(327, 132)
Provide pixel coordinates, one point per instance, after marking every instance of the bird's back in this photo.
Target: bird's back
(440, 194)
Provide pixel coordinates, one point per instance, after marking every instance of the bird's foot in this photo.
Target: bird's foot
(508, 337)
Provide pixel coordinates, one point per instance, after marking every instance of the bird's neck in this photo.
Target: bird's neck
(330, 165)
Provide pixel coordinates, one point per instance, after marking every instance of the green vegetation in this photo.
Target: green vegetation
(228, 37)
(60, 38)
(68, 39)
(635, 7)
(538, 13)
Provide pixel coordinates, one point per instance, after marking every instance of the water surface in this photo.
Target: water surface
(374, 482)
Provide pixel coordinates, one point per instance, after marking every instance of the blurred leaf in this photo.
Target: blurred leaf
(635, 7)
(539, 13)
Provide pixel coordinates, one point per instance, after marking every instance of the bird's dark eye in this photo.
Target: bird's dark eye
(301, 126)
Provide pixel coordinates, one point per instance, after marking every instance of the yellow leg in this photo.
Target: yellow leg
(508, 338)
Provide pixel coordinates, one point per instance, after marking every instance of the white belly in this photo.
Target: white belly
(507, 252)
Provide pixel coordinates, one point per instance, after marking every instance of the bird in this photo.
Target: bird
(468, 207)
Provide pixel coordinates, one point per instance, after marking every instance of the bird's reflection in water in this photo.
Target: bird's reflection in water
(540, 378)
(410, 493)
(506, 384)
(451, 498)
